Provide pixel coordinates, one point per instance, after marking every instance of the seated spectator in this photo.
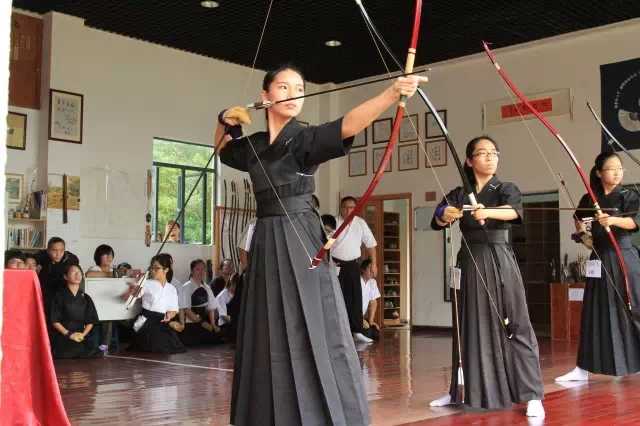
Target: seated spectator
(123, 269)
(173, 230)
(224, 298)
(224, 276)
(103, 268)
(103, 257)
(370, 296)
(171, 276)
(155, 327)
(229, 307)
(329, 223)
(13, 259)
(53, 262)
(73, 315)
(30, 262)
(198, 309)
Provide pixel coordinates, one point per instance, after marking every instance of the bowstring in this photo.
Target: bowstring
(251, 144)
(433, 171)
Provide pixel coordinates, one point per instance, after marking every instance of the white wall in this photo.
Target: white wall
(133, 91)
(461, 87)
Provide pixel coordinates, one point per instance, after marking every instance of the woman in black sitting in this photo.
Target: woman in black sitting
(73, 315)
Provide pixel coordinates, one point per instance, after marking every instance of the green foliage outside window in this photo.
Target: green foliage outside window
(177, 167)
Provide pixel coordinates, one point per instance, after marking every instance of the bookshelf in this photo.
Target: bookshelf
(26, 234)
(391, 271)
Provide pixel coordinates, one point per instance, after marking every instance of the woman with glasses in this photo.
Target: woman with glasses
(609, 339)
(500, 363)
(155, 326)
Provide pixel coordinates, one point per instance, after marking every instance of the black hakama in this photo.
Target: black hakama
(156, 336)
(195, 333)
(74, 313)
(497, 371)
(296, 362)
(609, 340)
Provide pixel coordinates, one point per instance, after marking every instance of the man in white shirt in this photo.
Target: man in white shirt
(346, 254)
(370, 294)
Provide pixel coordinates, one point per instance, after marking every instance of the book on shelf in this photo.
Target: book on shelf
(24, 237)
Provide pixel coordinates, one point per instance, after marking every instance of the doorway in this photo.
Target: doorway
(389, 217)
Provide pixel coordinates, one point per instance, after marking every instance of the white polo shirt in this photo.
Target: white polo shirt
(347, 246)
(370, 292)
(159, 298)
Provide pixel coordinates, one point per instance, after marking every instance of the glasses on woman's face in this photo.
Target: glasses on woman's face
(156, 268)
(614, 169)
(486, 154)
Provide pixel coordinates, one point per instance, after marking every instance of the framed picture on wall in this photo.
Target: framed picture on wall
(13, 188)
(432, 130)
(65, 116)
(381, 130)
(409, 129)
(357, 163)
(436, 153)
(408, 157)
(360, 139)
(378, 153)
(17, 130)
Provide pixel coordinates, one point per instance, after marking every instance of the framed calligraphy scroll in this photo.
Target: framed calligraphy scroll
(65, 116)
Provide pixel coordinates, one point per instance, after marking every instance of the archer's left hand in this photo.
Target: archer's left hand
(407, 86)
(606, 221)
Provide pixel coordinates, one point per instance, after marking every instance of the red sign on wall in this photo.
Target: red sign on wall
(519, 109)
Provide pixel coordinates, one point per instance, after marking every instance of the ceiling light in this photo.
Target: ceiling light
(333, 43)
(209, 4)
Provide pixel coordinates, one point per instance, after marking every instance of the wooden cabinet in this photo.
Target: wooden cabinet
(391, 273)
(391, 224)
(536, 243)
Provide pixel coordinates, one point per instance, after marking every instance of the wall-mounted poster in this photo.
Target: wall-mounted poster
(13, 188)
(378, 153)
(620, 109)
(436, 153)
(409, 129)
(357, 163)
(408, 157)
(381, 130)
(432, 130)
(65, 116)
(360, 139)
(16, 130)
(55, 192)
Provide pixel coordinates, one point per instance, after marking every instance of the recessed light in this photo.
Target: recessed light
(209, 4)
(333, 43)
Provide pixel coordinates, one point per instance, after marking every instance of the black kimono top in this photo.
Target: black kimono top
(73, 312)
(51, 275)
(290, 162)
(494, 193)
(625, 200)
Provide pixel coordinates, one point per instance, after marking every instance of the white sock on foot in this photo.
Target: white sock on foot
(441, 402)
(535, 408)
(575, 375)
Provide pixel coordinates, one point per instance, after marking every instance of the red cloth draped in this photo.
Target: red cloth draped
(30, 393)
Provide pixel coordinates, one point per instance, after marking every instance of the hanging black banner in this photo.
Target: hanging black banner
(620, 84)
